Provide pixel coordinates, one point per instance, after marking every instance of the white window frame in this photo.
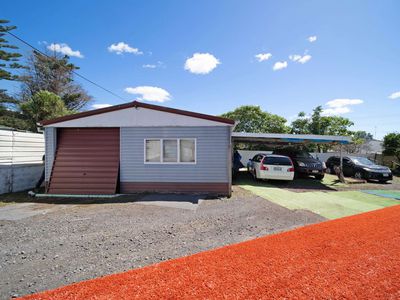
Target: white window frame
(178, 145)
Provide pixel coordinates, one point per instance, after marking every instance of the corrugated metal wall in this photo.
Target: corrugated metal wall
(21, 161)
(212, 154)
(21, 147)
(86, 162)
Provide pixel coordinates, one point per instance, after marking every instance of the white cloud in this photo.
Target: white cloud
(263, 56)
(343, 102)
(335, 111)
(159, 64)
(149, 93)
(201, 63)
(149, 66)
(122, 47)
(305, 59)
(101, 105)
(312, 38)
(279, 65)
(64, 49)
(395, 95)
(294, 57)
(299, 58)
(340, 106)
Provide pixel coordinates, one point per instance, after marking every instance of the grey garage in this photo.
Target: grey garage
(138, 147)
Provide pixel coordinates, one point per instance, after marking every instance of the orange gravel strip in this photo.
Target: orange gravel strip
(353, 257)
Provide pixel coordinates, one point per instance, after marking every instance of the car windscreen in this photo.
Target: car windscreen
(281, 161)
(362, 161)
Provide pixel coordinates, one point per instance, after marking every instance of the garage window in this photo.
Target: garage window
(170, 151)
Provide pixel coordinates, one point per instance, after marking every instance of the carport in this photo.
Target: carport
(282, 139)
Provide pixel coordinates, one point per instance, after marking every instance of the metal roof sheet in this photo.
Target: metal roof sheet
(285, 138)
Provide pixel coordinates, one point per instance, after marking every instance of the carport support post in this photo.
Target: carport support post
(341, 176)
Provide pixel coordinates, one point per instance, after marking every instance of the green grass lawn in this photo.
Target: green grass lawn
(328, 203)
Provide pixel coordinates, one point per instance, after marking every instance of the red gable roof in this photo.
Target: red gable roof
(142, 105)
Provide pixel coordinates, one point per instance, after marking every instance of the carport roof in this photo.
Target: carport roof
(283, 138)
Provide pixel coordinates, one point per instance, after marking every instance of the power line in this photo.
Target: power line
(76, 73)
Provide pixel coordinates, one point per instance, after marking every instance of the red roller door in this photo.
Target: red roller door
(86, 162)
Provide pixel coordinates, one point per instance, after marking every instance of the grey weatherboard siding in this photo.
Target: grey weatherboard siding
(50, 135)
(213, 145)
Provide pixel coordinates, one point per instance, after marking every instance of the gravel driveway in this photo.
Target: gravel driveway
(69, 243)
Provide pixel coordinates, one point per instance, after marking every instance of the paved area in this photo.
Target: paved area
(172, 200)
(18, 211)
(356, 257)
(90, 238)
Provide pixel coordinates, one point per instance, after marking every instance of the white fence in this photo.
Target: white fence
(21, 160)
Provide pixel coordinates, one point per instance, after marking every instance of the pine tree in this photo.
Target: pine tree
(9, 63)
(8, 56)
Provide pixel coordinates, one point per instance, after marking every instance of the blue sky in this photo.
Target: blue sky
(355, 57)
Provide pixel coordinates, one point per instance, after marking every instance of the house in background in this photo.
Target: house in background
(371, 147)
(138, 147)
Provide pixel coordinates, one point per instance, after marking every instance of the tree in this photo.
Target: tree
(53, 73)
(334, 125)
(319, 124)
(301, 124)
(251, 118)
(316, 125)
(366, 136)
(8, 59)
(9, 62)
(11, 117)
(391, 144)
(43, 105)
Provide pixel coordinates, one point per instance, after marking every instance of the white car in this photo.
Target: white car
(269, 166)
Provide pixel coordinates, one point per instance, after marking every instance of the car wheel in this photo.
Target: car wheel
(358, 175)
(319, 177)
(383, 181)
